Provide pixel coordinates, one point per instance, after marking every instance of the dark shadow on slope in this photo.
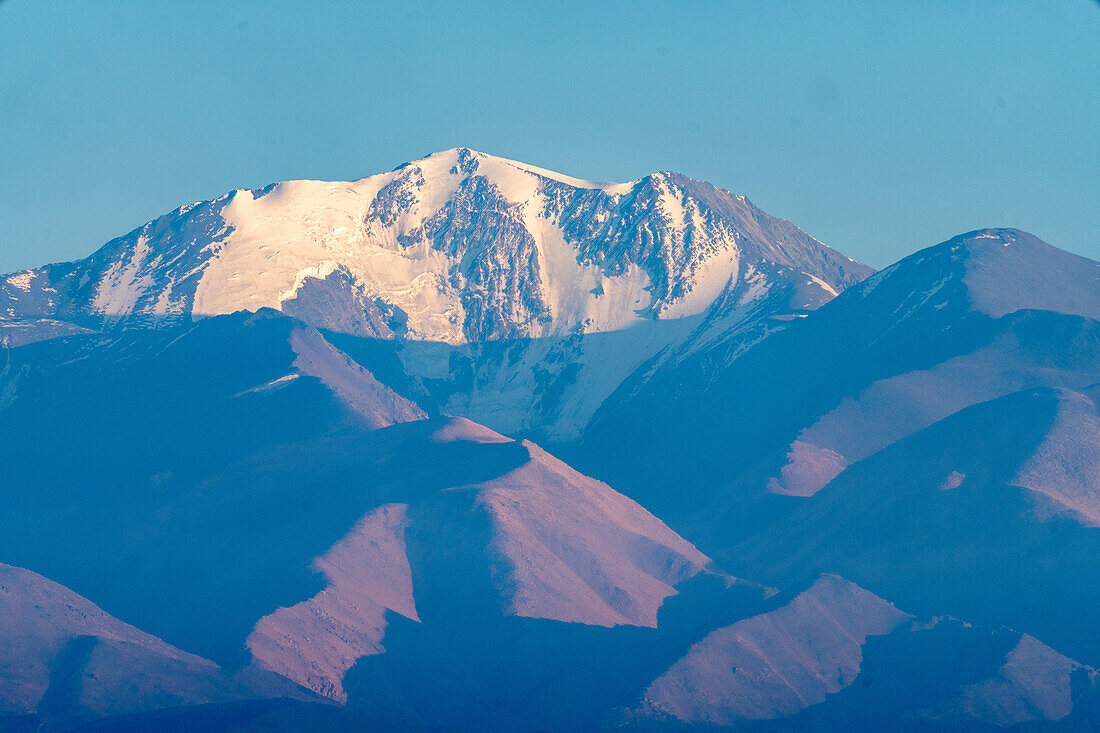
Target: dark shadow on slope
(910, 682)
(379, 357)
(714, 417)
(145, 477)
(18, 723)
(727, 427)
(469, 667)
(901, 675)
(905, 680)
(60, 707)
(983, 551)
(268, 716)
(469, 369)
(719, 413)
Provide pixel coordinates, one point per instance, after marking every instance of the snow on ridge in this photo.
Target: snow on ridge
(1027, 273)
(124, 282)
(717, 274)
(255, 248)
(459, 248)
(608, 187)
(270, 386)
(824, 285)
(21, 280)
(582, 294)
(1002, 271)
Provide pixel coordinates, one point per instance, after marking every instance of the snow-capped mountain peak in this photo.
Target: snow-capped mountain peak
(448, 256)
(463, 246)
(996, 272)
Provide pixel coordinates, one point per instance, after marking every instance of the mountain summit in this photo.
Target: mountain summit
(465, 246)
(454, 254)
(273, 461)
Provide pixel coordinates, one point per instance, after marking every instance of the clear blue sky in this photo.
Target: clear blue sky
(879, 127)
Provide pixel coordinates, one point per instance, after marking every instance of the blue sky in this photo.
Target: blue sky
(878, 127)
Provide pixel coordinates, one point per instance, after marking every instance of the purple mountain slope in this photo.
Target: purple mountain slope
(989, 515)
(273, 461)
(913, 344)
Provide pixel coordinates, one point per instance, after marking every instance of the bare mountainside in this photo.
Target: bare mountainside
(293, 436)
(977, 317)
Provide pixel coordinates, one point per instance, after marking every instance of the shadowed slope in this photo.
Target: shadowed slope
(926, 337)
(960, 518)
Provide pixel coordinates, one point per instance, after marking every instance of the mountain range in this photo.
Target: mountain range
(477, 446)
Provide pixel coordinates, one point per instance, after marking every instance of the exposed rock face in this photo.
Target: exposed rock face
(498, 275)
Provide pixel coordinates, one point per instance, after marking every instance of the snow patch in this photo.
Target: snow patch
(21, 280)
(124, 282)
(275, 384)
